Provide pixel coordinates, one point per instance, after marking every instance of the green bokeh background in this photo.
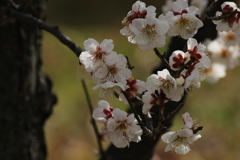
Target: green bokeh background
(69, 134)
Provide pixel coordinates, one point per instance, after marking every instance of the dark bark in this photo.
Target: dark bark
(25, 93)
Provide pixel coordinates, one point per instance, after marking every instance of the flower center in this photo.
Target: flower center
(180, 140)
(112, 70)
(225, 53)
(230, 36)
(98, 54)
(149, 29)
(123, 126)
(182, 22)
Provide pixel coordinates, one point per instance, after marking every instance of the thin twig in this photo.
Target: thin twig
(173, 113)
(189, 2)
(98, 135)
(162, 123)
(15, 5)
(208, 10)
(162, 57)
(229, 15)
(176, 73)
(145, 130)
(129, 64)
(198, 129)
(54, 30)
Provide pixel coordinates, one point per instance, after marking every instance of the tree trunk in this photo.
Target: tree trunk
(25, 93)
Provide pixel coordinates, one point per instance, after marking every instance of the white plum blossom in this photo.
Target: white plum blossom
(227, 24)
(108, 88)
(123, 129)
(195, 71)
(149, 99)
(135, 86)
(103, 112)
(180, 141)
(215, 72)
(182, 20)
(139, 10)
(221, 53)
(197, 53)
(193, 79)
(199, 4)
(165, 82)
(95, 53)
(228, 38)
(147, 33)
(189, 123)
(114, 70)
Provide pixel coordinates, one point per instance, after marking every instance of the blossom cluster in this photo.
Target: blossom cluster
(224, 53)
(184, 69)
(188, 70)
(119, 126)
(143, 28)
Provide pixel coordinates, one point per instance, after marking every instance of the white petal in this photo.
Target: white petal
(111, 124)
(166, 137)
(101, 72)
(142, 39)
(90, 44)
(182, 149)
(193, 138)
(168, 148)
(185, 132)
(107, 45)
(103, 104)
(119, 115)
(179, 5)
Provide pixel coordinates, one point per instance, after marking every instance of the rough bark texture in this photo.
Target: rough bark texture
(25, 93)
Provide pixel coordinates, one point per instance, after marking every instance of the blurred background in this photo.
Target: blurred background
(69, 134)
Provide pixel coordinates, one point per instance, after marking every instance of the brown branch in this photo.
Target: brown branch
(229, 15)
(145, 130)
(162, 124)
(97, 134)
(54, 30)
(208, 10)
